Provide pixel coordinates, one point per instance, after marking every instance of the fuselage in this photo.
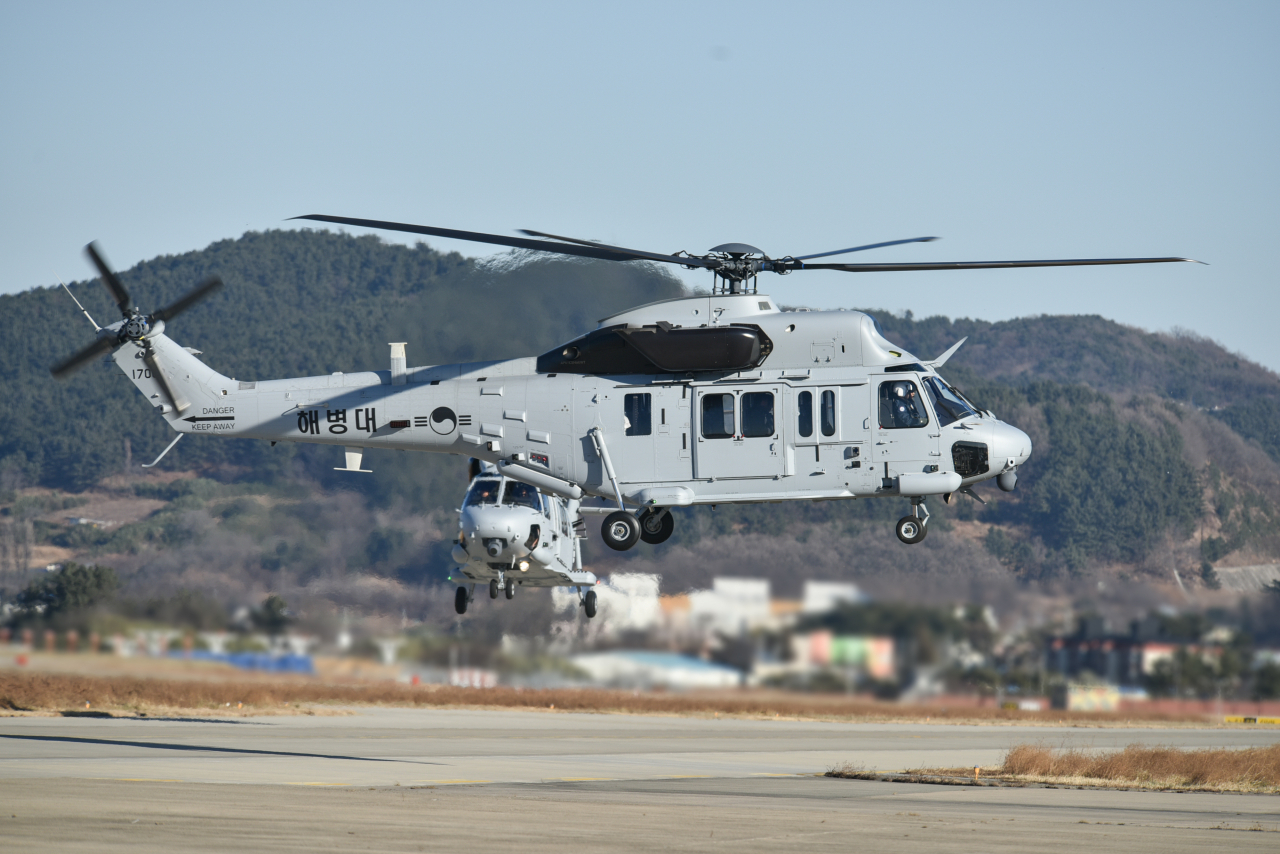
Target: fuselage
(824, 415)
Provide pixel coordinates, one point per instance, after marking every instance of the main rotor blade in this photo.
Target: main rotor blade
(602, 253)
(987, 265)
(648, 256)
(201, 291)
(109, 278)
(868, 246)
(78, 360)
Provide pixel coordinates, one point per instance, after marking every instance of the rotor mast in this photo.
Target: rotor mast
(738, 263)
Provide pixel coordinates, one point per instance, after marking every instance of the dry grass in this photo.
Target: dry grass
(1251, 769)
(58, 692)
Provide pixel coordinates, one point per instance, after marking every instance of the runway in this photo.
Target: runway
(438, 779)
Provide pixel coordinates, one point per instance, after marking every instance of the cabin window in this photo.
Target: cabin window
(637, 415)
(948, 405)
(901, 406)
(828, 413)
(804, 407)
(521, 495)
(757, 414)
(717, 416)
(483, 492)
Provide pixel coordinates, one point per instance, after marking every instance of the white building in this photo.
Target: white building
(732, 606)
(823, 596)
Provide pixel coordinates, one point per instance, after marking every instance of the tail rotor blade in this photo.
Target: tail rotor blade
(109, 278)
(78, 360)
(183, 303)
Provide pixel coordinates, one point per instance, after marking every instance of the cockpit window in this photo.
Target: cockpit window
(483, 492)
(521, 495)
(947, 402)
(901, 406)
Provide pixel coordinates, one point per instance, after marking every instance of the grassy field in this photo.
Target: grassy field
(1253, 769)
(61, 693)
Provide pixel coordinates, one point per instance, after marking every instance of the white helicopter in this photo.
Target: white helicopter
(711, 399)
(513, 535)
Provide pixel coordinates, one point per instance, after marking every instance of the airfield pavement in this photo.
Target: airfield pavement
(396, 779)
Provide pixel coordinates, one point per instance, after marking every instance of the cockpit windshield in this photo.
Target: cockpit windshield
(950, 405)
(521, 495)
(483, 491)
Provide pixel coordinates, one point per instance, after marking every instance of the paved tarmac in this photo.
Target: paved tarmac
(442, 779)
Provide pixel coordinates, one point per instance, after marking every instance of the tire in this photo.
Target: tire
(656, 526)
(589, 603)
(510, 588)
(909, 530)
(620, 530)
(460, 600)
(493, 588)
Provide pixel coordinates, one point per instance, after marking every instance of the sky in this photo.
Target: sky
(1010, 130)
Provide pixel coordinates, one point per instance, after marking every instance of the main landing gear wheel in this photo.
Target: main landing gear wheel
(620, 530)
(493, 588)
(656, 526)
(510, 588)
(589, 604)
(460, 600)
(910, 530)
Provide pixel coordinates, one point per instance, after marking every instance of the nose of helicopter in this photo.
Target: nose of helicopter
(1010, 447)
(500, 531)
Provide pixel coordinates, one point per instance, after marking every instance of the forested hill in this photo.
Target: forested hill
(1145, 444)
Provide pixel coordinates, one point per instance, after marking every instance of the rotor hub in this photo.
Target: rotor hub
(137, 326)
(736, 263)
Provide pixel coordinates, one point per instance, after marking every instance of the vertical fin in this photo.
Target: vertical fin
(179, 404)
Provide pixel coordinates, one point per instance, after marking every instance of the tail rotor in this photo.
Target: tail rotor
(134, 325)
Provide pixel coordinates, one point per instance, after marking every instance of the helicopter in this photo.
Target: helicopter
(715, 398)
(514, 535)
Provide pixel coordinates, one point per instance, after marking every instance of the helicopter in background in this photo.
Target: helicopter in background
(710, 399)
(513, 535)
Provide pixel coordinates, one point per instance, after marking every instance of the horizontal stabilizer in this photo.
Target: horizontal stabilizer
(354, 456)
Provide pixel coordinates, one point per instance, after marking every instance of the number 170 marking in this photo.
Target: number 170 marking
(141, 373)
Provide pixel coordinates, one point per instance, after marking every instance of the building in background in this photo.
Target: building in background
(646, 669)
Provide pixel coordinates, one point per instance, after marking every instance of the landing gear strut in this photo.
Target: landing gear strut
(912, 529)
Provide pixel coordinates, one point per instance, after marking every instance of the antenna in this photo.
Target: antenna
(96, 327)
